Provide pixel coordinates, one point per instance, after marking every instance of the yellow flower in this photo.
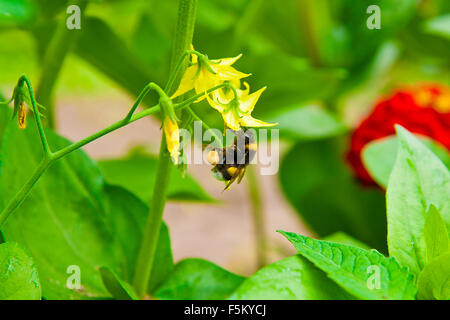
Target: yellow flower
(172, 134)
(237, 113)
(22, 116)
(205, 74)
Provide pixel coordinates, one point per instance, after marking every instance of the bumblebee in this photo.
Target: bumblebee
(230, 162)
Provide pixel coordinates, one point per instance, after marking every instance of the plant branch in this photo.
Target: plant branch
(54, 156)
(15, 202)
(259, 224)
(45, 145)
(208, 128)
(183, 40)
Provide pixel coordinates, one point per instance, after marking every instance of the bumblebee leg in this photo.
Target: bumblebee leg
(241, 174)
(233, 178)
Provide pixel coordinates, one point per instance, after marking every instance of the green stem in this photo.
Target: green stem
(187, 10)
(153, 224)
(44, 142)
(147, 88)
(178, 67)
(308, 24)
(207, 128)
(15, 202)
(183, 39)
(54, 156)
(55, 54)
(259, 224)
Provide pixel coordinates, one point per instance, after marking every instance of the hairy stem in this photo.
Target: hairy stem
(59, 46)
(150, 237)
(259, 224)
(183, 39)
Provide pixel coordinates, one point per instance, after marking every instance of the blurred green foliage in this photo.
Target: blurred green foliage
(308, 53)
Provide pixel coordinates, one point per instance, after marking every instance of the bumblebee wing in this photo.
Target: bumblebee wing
(241, 174)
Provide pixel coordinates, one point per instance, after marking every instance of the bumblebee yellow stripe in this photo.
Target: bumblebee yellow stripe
(252, 146)
(231, 170)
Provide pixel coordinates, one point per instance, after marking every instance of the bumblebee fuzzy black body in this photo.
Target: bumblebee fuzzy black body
(230, 162)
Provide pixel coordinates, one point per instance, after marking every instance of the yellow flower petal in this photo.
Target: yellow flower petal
(205, 81)
(172, 134)
(231, 119)
(22, 116)
(187, 82)
(213, 102)
(225, 72)
(249, 121)
(247, 102)
(194, 57)
(227, 61)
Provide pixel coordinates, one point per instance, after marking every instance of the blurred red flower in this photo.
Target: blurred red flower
(423, 110)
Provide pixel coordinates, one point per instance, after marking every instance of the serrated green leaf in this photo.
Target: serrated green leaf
(293, 278)
(341, 237)
(18, 275)
(328, 198)
(379, 157)
(434, 280)
(137, 173)
(436, 235)
(365, 274)
(198, 279)
(119, 289)
(418, 180)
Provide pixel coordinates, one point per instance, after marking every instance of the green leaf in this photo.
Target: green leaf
(62, 221)
(5, 117)
(118, 288)
(394, 16)
(137, 172)
(50, 8)
(307, 122)
(365, 274)
(293, 278)
(358, 92)
(292, 81)
(436, 235)
(113, 57)
(328, 198)
(71, 218)
(343, 238)
(434, 280)
(439, 26)
(418, 180)
(15, 13)
(152, 46)
(18, 275)
(198, 279)
(379, 157)
(127, 220)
